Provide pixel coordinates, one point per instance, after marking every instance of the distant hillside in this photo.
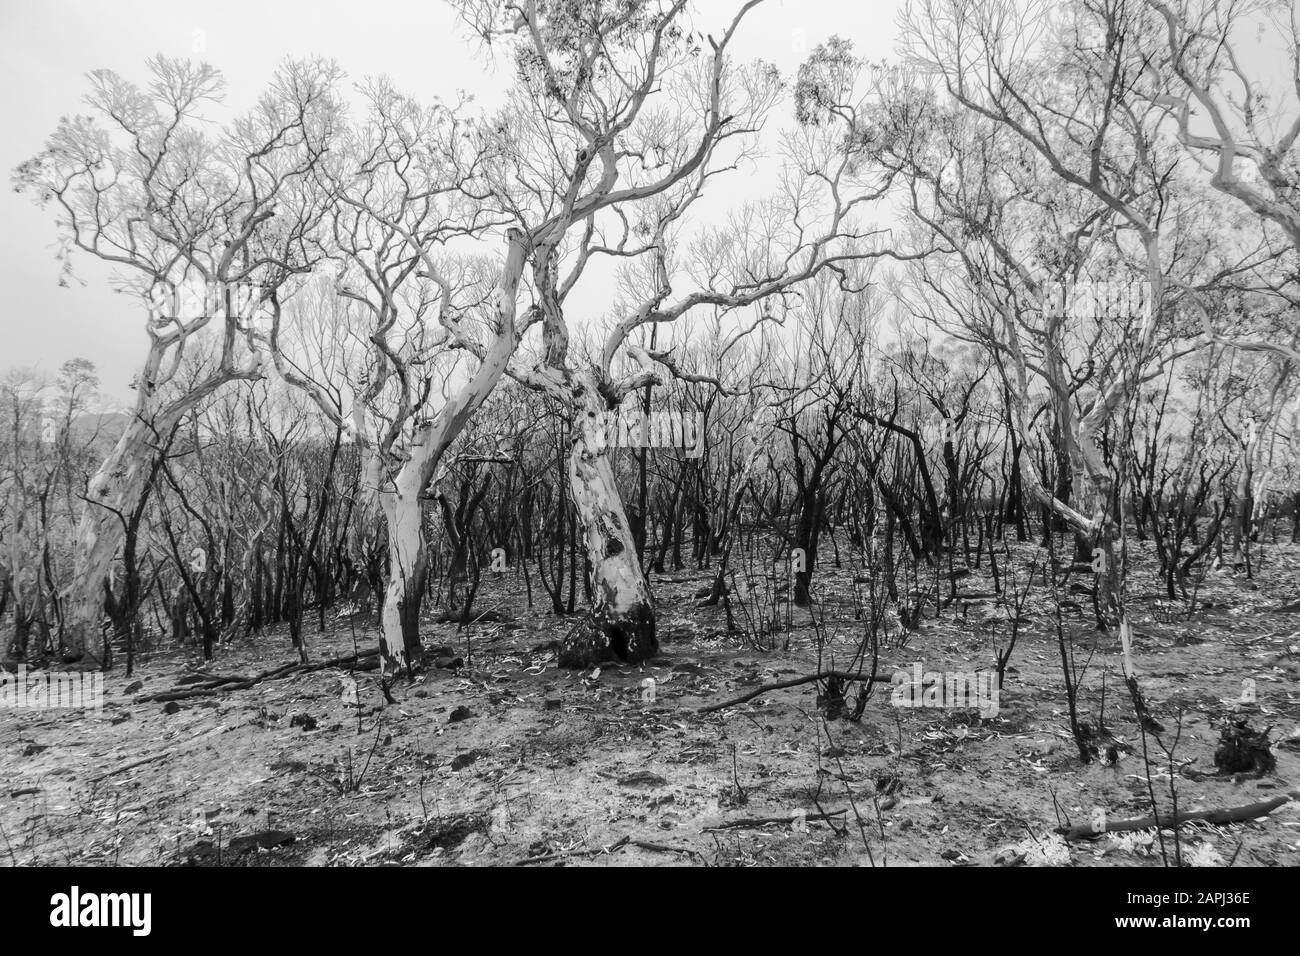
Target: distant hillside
(102, 426)
(100, 429)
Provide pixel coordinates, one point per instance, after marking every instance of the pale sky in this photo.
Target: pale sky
(47, 47)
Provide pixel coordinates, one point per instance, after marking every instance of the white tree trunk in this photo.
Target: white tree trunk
(401, 499)
(1244, 496)
(114, 490)
(623, 610)
(1093, 482)
(407, 569)
(366, 535)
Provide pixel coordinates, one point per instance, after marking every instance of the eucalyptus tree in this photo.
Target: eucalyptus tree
(1053, 105)
(1224, 60)
(382, 342)
(202, 224)
(625, 122)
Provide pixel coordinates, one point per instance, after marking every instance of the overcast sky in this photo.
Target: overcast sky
(47, 47)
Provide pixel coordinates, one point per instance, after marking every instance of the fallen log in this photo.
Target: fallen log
(224, 685)
(794, 682)
(752, 823)
(1251, 811)
(621, 843)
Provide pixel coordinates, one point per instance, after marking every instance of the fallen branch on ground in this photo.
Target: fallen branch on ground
(619, 844)
(750, 823)
(794, 682)
(222, 685)
(479, 617)
(1231, 815)
(130, 766)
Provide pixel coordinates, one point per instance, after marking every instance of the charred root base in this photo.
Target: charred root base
(1242, 749)
(630, 638)
(87, 661)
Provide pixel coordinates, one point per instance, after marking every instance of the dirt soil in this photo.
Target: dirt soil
(511, 760)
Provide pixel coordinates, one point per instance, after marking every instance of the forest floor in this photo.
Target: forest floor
(511, 760)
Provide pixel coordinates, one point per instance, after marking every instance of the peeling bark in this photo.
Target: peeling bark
(408, 566)
(623, 609)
